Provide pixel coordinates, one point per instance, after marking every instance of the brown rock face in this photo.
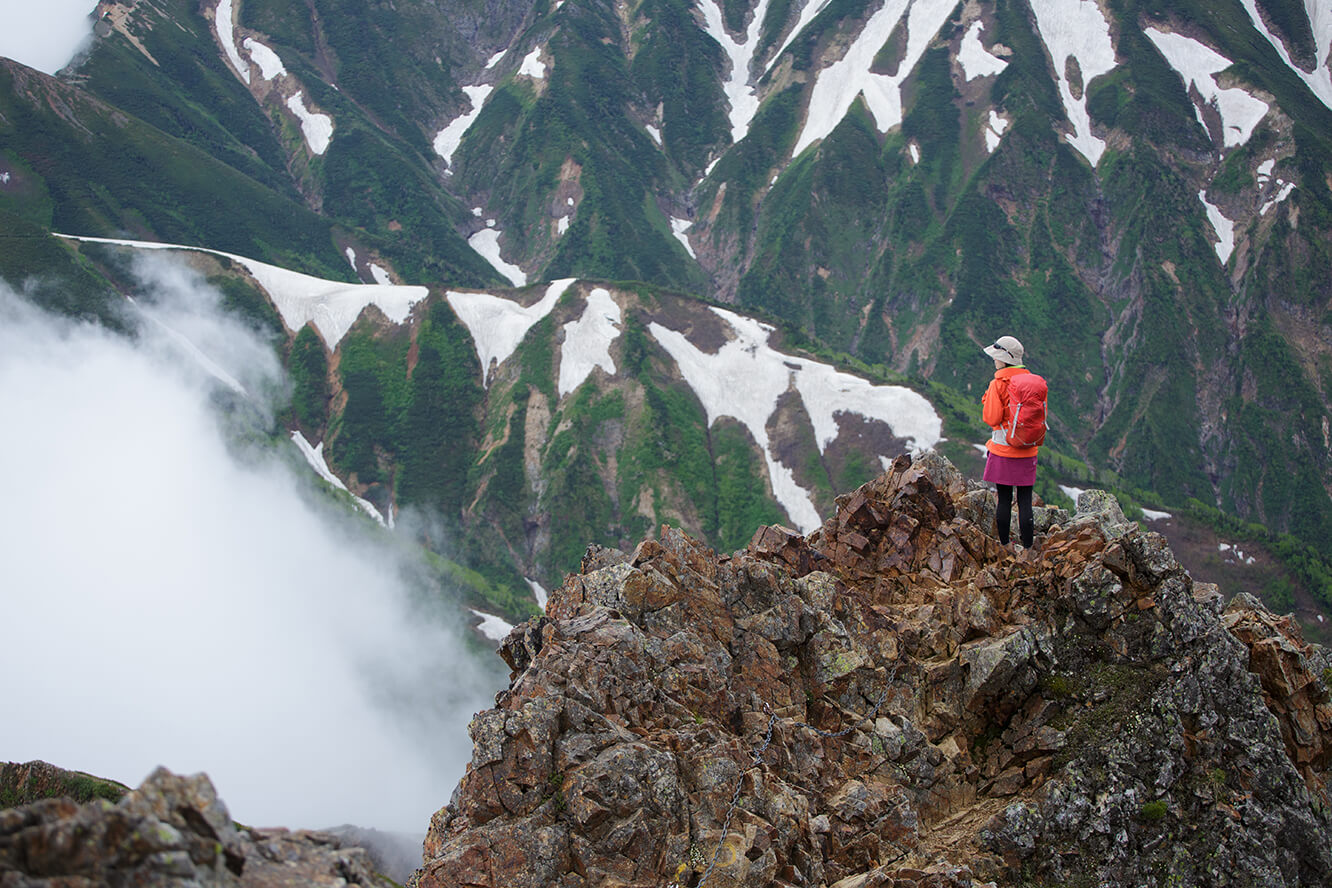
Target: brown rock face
(894, 700)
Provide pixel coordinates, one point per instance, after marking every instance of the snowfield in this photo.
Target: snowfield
(680, 228)
(994, 132)
(975, 59)
(226, 35)
(532, 65)
(1198, 65)
(492, 627)
(587, 341)
(315, 457)
(498, 325)
(742, 97)
(1078, 30)
(331, 306)
(1224, 228)
(1319, 80)
(317, 128)
(746, 376)
(840, 83)
(270, 66)
(450, 137)
(486, 242)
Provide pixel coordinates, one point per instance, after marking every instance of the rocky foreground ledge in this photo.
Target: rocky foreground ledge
(171, 831)
(895, 700)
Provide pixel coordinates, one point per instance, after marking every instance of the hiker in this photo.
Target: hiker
(1014, 406)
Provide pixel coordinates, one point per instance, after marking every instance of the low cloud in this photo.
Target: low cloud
(173, 599)
(45, 35)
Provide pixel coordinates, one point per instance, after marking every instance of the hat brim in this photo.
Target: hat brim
(997, 353)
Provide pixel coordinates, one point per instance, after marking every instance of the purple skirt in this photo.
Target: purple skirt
(1011, 471)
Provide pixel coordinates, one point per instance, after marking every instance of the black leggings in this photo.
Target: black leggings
(1002, 517)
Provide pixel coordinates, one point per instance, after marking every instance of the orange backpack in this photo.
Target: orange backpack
(1025, 426)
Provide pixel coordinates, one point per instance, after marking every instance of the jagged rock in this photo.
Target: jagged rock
(1295, 689)
(1101, 506)
(895, 700)
(171, 831)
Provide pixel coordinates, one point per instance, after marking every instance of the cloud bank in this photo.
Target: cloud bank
(45, 35)
(171, 601)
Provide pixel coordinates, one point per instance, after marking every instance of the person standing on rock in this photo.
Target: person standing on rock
(1014, 407)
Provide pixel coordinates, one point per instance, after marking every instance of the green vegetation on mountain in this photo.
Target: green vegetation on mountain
(896, 254)
(108, 173)
(53, 274)
(439, 428)
(307, 365)
(677, 68)
(185, 93)
(373, 185)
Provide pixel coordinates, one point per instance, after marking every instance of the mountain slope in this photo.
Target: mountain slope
(1139, 191)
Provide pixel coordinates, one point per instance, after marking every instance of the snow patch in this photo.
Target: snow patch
(351, 257)
(914, 150)
(498, 325)
(226, 34)
(742, 97)
(679, 227)
(539, 592)
(317, 128)
(450, 137)
(1224, 228)
(1320, 20)
(315, 457)
(1286, 189)
(746, 376)
(331, 306)
(380, 274)
(270, 65)
(975, 59)
(492, 627)
(654, 133)
(1198, 65)
(839, 84)
(486, 242)
(1154, 515)
(994, 131)
(532, 65)
(495, 59)
(1078, 30)
(562, 224)
(587, 341)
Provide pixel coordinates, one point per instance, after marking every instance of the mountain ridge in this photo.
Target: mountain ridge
(895, 700)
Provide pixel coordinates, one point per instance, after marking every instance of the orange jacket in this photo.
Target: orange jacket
(995, 413)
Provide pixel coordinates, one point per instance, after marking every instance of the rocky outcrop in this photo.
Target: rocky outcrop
(171, 831)
(896, 700)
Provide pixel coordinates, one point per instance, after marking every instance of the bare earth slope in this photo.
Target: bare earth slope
(894, 700)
